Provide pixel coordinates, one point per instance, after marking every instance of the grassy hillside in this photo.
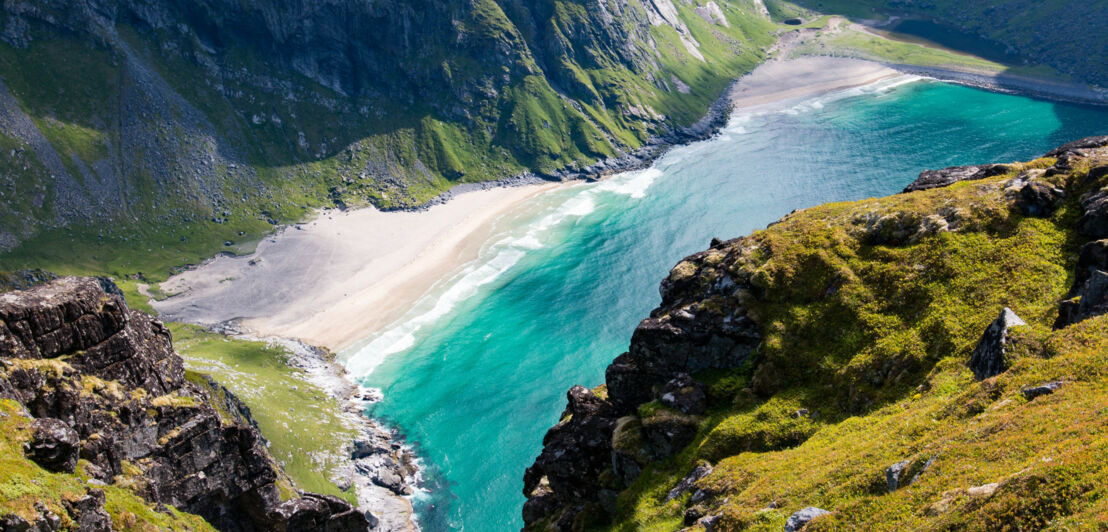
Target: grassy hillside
(870, 311)
(139, 147)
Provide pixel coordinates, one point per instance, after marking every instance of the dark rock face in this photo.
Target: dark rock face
(1037, 198)
(1041, 390)
(120, 393)
(1094, 216)
(988, 357)
(53, 445)
(684, 394)
(1089, 295)
(574, 454)
(929, 179)
(89, 513)
(312, 513)
(601, 436)
(800, 519)
(895, 472)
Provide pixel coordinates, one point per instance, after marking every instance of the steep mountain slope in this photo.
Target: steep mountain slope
(144, 134)
(927, 361)
(1064, 34)
(104, 429)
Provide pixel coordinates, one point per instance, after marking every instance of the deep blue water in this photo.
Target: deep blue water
(481, 365)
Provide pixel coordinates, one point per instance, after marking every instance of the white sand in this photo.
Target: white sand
(806, 76)
(343, 274)
(346, 275)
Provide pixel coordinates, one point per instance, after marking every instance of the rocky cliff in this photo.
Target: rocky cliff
(186, 125)
(927, 361)
(105, 430)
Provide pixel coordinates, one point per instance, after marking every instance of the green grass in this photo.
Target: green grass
(306, 429)
(875, 338)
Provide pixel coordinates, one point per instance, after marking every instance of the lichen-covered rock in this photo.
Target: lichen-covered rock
(104, 383)
(929, 179)
(684, 394)
(801, 518)
(701, 470)
(53, 445)
(988, 357)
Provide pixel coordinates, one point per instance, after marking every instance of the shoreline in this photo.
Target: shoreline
(305, 299)
(326, 282)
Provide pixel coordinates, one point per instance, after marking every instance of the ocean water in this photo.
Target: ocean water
(477, 371)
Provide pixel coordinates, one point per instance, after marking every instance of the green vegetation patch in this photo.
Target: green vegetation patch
(307, 429)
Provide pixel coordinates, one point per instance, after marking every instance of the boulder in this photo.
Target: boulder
(988, 357)
(895, 472)
(1039, 199)
(905, 473)
(801, 518)
(88, 512)
(1090, 299)
(701, 470)
(1040, 390)
(54, 445)
(324, 513)
(929, 179)
(684, 394)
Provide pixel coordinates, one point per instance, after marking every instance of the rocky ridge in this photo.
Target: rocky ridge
(715, 310)
(110, 397)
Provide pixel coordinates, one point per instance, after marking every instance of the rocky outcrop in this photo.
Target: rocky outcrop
(929, 179)
(600, 435)
(103, 383)
(1089, 295)
(988, 358)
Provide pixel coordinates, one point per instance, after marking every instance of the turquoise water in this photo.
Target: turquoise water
(479, 369)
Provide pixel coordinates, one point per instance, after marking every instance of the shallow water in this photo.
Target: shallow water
(478, 370)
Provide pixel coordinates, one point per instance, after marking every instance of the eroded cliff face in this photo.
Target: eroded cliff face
(846, 368)
(109, 400)
(228, 115)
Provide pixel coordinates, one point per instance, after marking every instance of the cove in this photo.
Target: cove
(477, 371)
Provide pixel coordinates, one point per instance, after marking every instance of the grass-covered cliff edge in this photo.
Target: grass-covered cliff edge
(849, 359)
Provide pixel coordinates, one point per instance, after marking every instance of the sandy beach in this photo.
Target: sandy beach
(345, 275)
(328, 281)
(805, 76)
